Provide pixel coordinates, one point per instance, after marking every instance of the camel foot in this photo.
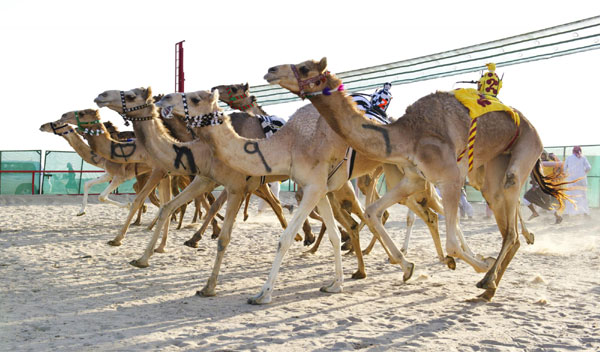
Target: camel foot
(450, 262)
(298, 238)
(530, 239)
(215, 235)
(114, 243)
(533, 216)
(81, 213)
(485, 297)
(309, 240)
(487, 283)
(347, 246)
(191, 243)
(409, 272)
(159, 250)
(334, 287)
(359, 275)
(246, 217)
(139, 264)
(261, 298)
(366, 252)
(313, 250)
(206, 292)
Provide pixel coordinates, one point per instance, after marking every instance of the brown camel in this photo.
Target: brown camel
(115, 173)
(190, 158)
(430, 136)
(306, 149)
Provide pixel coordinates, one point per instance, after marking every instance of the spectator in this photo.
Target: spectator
(577, 168)
(551, 167)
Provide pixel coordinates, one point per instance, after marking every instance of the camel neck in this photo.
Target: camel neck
(83, 150)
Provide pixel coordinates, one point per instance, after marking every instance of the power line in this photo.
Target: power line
(566, 39)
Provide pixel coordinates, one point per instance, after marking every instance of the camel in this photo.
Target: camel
(309, 152)
(430, 136)
(115, 173)
(237, 96)
(192, 157)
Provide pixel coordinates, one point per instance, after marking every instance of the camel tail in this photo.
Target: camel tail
(552, 186)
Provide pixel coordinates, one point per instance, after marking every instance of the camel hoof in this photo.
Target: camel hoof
(159, 250)
(261, 298)
(485, 297)
(298, 238)
(487, 284)
(407, 275)
(139, 264)
(245, 217)
(309, 241)
(205, 292)
(214, 236)
(347, 246)
(530, 239)
(191, 243)
(114, 243)
(359, 275)
(334, 287)
(81, 213)
(450, 262)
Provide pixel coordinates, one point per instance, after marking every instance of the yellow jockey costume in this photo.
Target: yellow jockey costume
(482, 101)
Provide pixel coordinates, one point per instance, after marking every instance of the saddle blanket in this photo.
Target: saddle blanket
(270, 124)
(479, 104)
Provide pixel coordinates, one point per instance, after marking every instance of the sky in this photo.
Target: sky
(57, 56)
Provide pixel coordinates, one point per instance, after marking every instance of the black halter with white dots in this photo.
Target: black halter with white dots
(210, 119)
(135, 108)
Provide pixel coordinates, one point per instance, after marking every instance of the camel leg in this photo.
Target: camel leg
(310, 198)
(373, 215)
(103, 197)
(334, 237)
(234, 203)
(247, 202)
(347, 222)
(153, 180)
(164, 192)
(138, 220)
(198, 186)
(210, 214)
(529, 237)
(86, 189)
(410, 221)
(314, 248)
(309, 236)
(504, 206)
(198, 209)
(181, 215)
(264, 192)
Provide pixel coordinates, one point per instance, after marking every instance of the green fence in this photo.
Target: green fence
(20, 182)
(66, 173)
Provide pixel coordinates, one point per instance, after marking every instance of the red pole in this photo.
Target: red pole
(179, 67)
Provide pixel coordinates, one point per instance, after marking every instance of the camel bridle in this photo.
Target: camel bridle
(85, 130)
(135, 108)
(309, 82)
(56, 128)
(212, 118)
(233, 100)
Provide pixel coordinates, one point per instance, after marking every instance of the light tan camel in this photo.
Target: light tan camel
(430, 136)
(191, 158)
(305, 148)
(115, 173)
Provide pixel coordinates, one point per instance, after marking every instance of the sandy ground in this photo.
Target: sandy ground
(65, 289)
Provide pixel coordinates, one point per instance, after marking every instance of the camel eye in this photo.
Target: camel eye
(195, 100)
(130, 97)
(234, 89)
(304, 70)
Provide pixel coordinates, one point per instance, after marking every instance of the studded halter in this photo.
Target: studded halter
(310, 82)
(212, 118)
(135, 108)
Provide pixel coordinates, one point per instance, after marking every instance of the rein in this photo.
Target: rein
(135, 108)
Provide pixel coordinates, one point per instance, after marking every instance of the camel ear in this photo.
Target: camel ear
(148, 94)
(323, 64)
(214, 97)
(246, 87)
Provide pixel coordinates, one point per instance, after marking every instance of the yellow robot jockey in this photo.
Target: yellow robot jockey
(489, 83)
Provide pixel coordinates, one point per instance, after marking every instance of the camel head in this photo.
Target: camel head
(195, 103)
(124, 101)
(305, 77)
(231, 93)
(56, 127)
(78, 117)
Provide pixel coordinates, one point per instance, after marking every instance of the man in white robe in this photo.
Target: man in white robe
(577, 166)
